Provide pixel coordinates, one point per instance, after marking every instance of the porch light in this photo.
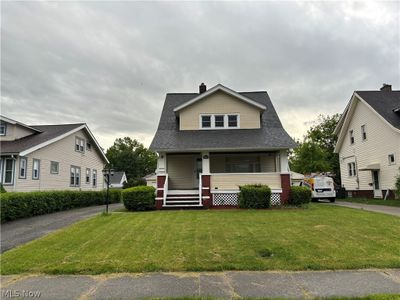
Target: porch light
(205, 156)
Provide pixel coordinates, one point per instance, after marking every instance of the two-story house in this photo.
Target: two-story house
(369, 143)
(49, 157)
(210, 143)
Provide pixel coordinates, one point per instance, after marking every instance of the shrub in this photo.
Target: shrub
(134, 182)
(255, 196)
(2, 189)
(299, 195)
(397, 191)
(139, 198)
(23, 205)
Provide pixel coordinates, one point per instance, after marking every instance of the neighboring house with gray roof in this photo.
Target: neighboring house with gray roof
(210, 143)
(49, 157)
(369, 143)
(117, 180)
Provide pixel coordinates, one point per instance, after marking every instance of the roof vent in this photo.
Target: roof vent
(386, 87)
(202, 88)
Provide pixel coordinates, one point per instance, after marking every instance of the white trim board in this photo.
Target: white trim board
(220, 87)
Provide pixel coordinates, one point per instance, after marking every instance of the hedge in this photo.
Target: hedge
(255, 196)
(397, 190)
(28, 204)
(299, 195)
(139, 198)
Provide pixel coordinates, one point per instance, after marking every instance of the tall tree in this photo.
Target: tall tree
(309, 157)
(320, 134)
(132, 157)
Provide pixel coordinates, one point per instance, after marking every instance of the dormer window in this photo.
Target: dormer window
(219, 121)
(351, 135)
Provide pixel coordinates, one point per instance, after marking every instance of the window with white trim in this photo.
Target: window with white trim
(352, 169)
(54, 167)
(219, 121)
(88, 146)
(363, 133)
(22, 167)
(79, 144)
(351, 136)
(94, 178)
(87, 176)
(36, 169)
(75, 176)
(392, 159)
(3, 129)
(8, 173)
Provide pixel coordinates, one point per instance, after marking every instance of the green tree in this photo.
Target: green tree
(309, 157)
(132, 157)
(320, 141)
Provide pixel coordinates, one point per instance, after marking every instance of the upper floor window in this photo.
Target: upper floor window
(363, 133)
(54, 167)
(3, 129)
(79, 144)
(35, 169)
(352, 169)
(351, 135)
(391, 159)
(94, 178)
(88, 146)
(87, 176)
(219, 121)
(22, 167)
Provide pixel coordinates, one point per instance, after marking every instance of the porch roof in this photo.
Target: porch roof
(270, 136)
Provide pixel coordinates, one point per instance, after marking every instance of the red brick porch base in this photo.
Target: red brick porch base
(205, 191)
(160, 193)
(285, 184)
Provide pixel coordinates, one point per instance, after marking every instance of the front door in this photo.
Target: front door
(198, 168)
(376, 185)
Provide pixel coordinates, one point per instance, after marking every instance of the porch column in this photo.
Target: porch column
(162, 163)
(205, 158)
(284, 162)
(285, 176)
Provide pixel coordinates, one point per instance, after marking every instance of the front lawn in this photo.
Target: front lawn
(372, 201)
(321, 237)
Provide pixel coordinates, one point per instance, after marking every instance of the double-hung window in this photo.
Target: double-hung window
(351, 136)
(352, 169)
(87, 176)
(233, 121)
(22, 167)
(36, 169)
(79, 144)
(54, 167)
(363, 133)
(391, 159)
(94, 178)
(8, 175)
(205, 121)
(75, 176)
(219, 121)
(3, 129)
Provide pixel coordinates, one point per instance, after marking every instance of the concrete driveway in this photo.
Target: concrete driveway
(221, 285)
(21, 231)
(389, 210)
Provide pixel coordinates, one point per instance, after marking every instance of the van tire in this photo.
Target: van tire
(332, 200)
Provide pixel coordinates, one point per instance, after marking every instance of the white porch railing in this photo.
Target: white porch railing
(200, 190)
(165, 190)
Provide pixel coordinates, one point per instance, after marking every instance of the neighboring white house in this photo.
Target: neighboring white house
(211, 142)
(151, 180)
(369, 143)
(49, 157)
(118, 180)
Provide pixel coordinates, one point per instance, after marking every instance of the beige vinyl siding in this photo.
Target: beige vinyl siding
(14, 132)
(217, 161)
(64, 153)
(232, 181)
(220, 103)
(381, 141)
(181, 171)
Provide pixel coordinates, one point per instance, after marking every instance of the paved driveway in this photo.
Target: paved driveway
(21, 231)
(389, 210)
(225, 285)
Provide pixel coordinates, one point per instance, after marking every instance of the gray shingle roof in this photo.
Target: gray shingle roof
(384, 102)
(271, 135)
(48, 132)
(116, 178)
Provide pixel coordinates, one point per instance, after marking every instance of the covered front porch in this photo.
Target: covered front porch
(213, 178)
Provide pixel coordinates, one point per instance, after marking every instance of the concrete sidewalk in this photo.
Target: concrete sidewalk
(389, 210)
(21, 231)
(227, 285)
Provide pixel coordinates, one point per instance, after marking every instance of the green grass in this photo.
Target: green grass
(317, 238)
(372, 201)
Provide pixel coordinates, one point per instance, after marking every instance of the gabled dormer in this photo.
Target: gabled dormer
(11, 130)
(219, 108)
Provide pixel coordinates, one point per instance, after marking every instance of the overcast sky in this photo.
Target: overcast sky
(110, 64)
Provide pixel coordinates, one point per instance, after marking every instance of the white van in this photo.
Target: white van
(322, 187)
